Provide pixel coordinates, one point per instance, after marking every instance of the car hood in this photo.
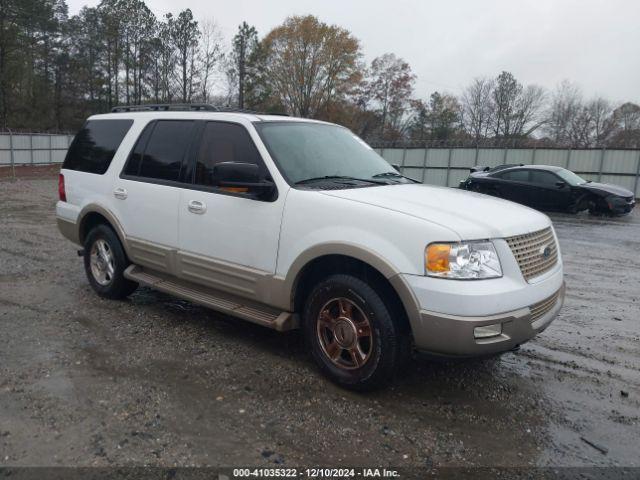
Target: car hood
(606, 189)
(471, 215)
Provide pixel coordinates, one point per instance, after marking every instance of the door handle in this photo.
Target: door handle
(196, 207)
(120, 193)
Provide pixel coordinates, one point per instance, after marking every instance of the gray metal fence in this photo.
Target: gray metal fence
(448, 166)
(33, 148)
(436, 166)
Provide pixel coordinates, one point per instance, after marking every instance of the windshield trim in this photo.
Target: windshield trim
(258, 125)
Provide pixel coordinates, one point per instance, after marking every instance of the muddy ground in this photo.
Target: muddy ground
(158, 381)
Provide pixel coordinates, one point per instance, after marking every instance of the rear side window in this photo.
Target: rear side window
(516, 176)
(160, 150)
(95, 145)
(223, 142)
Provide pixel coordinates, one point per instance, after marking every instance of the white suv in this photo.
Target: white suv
(293, 223)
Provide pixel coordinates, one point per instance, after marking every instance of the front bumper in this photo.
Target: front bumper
(444, 313)
(623, 208)
(453, 335)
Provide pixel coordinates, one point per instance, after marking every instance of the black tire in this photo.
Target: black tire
(581, 203)
(389, 342)
(116, 286)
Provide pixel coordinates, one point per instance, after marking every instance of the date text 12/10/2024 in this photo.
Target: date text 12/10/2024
(313, 473)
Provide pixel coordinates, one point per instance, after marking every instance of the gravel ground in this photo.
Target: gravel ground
(158, 381)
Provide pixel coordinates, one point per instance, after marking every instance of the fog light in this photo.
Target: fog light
(488, 331)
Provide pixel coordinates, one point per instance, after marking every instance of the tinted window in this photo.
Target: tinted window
(543, 178)
(223, 142)
(133, 165)
(164, 150)
(516, 176)
(95, 145)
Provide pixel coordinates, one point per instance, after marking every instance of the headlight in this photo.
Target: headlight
(462, 261)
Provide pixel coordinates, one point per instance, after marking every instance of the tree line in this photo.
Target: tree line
(57, 69)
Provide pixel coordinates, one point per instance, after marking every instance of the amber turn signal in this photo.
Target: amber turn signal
(438, 257)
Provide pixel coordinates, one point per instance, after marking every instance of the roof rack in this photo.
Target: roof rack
(165, 107)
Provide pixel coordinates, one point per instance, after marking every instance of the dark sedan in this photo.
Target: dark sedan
(549, 188)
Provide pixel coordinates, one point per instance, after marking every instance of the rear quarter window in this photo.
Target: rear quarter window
(95, 145)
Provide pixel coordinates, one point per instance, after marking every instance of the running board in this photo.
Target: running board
(219, 301)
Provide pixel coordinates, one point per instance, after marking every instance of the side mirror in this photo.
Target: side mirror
(241, 176)
(560, 184)
(396, 166)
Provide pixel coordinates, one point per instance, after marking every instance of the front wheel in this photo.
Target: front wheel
(105, 262)
(352, 333)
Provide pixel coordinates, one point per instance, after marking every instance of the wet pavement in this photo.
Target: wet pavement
(158, 381)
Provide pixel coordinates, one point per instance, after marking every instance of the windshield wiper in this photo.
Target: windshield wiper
(339, 177)
(393, 174)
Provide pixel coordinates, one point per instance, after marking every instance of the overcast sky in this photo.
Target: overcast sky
(595, 43)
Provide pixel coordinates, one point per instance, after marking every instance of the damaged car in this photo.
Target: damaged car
(546, 187)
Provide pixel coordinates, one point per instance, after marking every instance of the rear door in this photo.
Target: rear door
(513, 185)
(228, 238)
(147, 192)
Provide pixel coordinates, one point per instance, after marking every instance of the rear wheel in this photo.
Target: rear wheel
(105, 262)
(352, 333)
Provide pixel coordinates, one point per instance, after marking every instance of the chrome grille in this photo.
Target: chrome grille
(539, 309)
(529, 252)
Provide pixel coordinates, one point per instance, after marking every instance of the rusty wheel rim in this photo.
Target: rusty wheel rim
(344, 333)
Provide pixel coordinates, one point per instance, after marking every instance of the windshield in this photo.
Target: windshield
(305, 151)
(570, 177)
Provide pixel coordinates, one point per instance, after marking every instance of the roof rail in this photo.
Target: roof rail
(165, 107)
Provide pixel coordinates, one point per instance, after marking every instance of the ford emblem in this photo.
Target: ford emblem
(545, 251)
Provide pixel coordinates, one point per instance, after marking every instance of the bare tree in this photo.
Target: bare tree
(210, 54)
(565, 105)
(516, 109)
(477, 107)
(603, 124)
(527, 116)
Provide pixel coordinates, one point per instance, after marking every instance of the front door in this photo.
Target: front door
(228, 239)
(546, 193)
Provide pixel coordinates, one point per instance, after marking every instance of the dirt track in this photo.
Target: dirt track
(154, 380)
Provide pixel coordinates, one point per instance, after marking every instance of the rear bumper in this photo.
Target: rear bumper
(69, 230)
(453, 335)
(67, 219)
